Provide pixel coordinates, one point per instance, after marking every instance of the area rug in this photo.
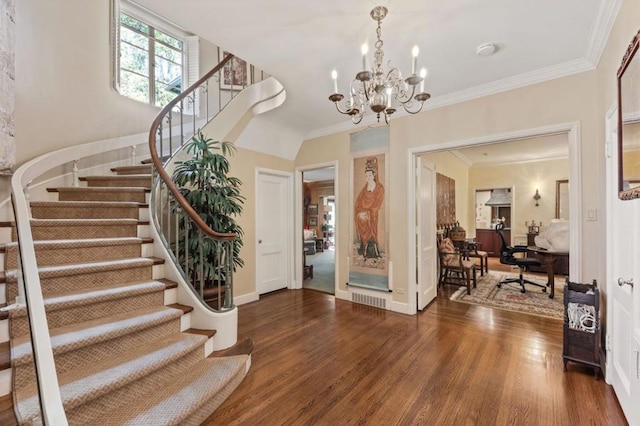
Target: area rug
(509, 297)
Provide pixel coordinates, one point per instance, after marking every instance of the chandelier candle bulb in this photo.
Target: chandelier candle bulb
(423, 74)
(389, 90)
(364, 49)
(414, 52)
(334, 76)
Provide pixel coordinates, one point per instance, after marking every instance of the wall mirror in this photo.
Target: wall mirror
(562, 199)
(629, 123)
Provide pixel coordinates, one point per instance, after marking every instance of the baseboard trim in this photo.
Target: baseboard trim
(246, 298)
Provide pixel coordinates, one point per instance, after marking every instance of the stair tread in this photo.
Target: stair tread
(184, 308)
(69, 337)
(80, 222)
(202, 332)
(245, 347)
(168, 283)
(76, 268)
(81, 203)
(117, 177)
(3, 314)
(178, 398)
(88, 242)
(99, 189)
(83, 384)
(87, 296)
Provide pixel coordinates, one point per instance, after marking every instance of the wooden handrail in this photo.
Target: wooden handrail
(184, 204)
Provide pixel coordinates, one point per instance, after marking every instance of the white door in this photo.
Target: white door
(426, 232)
(623, 243)
(273, 245)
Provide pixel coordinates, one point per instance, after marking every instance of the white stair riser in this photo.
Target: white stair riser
(3, 293)
(4, 331)
(185, 322)
(147, 250)
(143, 231)
(157, 272)
(5, 382)
(143, 214)
(171, 296)
(5, 234)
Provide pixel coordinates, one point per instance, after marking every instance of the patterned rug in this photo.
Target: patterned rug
(509, 297)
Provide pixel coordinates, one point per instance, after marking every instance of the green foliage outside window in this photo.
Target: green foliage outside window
(150, 62)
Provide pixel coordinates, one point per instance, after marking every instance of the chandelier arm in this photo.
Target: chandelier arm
(408, 99)
(410, 111)
(359, 117)
(346, 111)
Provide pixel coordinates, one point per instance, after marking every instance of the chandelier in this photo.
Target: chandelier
(376, 89)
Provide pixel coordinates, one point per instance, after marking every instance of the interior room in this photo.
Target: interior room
(319, 229)
(319, 213)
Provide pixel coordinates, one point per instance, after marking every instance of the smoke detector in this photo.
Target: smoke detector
(486, 49)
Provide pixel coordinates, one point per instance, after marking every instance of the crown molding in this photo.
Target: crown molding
(601, 29)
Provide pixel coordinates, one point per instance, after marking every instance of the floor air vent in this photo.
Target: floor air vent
(365, 299)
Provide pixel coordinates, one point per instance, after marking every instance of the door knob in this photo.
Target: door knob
(622, 282)
(259, 241)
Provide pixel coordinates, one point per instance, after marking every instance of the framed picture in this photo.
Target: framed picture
(313, 220)
(312, 209)
(236, 73)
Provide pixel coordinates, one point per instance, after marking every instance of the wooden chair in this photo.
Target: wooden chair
(454, 268)
(472, 251)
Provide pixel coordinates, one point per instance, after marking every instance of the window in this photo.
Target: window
(153, 60)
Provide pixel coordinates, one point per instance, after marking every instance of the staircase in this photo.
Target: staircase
(124, 350)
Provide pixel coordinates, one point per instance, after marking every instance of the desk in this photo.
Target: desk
(549, 258)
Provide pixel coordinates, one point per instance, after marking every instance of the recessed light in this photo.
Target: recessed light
(486, 49)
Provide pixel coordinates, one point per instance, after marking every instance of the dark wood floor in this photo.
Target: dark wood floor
(323, 361)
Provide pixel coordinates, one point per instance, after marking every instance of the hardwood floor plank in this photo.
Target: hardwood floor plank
(318, 360)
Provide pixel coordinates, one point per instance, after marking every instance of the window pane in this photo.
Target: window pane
(134, 59)
(134, 38)
(168, 39)
(133, 23)
(168, 53)
(164, 94)
(167, 71)
(134, 86)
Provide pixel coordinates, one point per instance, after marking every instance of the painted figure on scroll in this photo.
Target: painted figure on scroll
(366, 209)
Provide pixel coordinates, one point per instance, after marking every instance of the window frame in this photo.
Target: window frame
(154, 22)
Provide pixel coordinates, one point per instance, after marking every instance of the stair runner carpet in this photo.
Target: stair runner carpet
(119, 353)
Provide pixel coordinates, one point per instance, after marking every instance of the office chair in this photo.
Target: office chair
(507, 257)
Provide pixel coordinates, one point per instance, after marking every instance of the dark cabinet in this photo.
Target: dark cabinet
(490, 240)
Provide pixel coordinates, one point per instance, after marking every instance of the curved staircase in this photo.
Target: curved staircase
(124, 351)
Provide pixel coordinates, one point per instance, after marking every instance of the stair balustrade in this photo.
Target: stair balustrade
(183, 232)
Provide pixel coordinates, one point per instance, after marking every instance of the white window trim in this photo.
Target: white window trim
(190, 49)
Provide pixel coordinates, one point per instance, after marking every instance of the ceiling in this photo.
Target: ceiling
(299, 43)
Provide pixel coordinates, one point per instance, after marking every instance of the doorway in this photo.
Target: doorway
(319, 229)
(568, 131)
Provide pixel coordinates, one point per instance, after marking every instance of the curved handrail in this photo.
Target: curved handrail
(157, 163)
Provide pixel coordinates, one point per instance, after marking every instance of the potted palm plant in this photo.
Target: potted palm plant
(204, 181)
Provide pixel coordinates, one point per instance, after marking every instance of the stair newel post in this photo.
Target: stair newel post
(76, 177)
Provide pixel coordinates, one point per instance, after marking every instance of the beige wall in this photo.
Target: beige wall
(523, 178)
(563, 100)
(64, 94)
(449, 165)
(243, 166)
